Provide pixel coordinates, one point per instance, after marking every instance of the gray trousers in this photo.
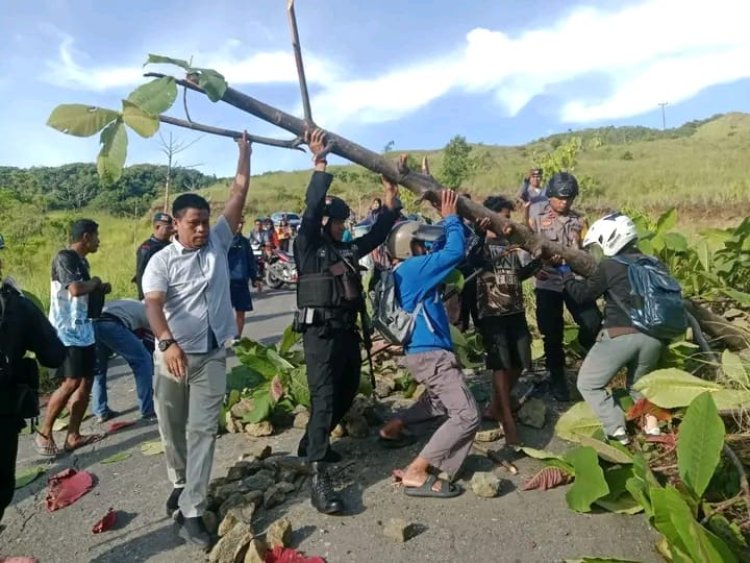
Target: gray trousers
(638, 352)
(188, 413)
(446, 395)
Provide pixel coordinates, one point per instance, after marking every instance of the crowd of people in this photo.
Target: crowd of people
(193, 281)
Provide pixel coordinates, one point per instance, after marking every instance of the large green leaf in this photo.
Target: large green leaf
(699, 443)
(161, 59)
(29, 475)
(579, 420)
(666, 221)
(114, 147)
(673, 388)
(213, 83)
(590, 483)
(740, 296)
(606, 451)
(675, 241)
(154, 447)
(288, 340)
(281, 363)
(263, 406)
(624, 504)
(600, 560)
(619, 499)
(138, 120)
(241, 377)
(734, 368)
(640, 484)
(298, 386)
(80, 120)
(155, 97)
(704, 254)
(674, 519)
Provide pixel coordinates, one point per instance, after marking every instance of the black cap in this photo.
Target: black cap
(162, 217)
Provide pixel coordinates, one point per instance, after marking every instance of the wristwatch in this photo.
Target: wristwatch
(166, 343)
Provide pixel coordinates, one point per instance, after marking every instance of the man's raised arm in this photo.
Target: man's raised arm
(315, 197)
(238, 193)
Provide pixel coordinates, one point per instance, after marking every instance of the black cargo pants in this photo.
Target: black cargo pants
(549, 319)
(334, 363)
(9, 429)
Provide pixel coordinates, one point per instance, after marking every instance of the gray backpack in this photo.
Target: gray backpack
(394, 323)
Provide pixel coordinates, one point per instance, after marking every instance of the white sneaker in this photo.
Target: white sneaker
(621, 436)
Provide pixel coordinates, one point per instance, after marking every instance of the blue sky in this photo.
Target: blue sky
(417, 73)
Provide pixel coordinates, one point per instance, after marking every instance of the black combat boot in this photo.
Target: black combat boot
(173, 501)
(322, 495)
(331, 456)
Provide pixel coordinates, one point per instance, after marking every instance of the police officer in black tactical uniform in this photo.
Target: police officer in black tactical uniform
(23, 328)
(161, 237)
(329, 298)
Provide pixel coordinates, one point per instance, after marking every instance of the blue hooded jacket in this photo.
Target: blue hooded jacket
(418, 278)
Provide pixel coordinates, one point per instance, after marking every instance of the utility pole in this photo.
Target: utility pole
(663, 115)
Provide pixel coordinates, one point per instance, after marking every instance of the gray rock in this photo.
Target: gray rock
(229, 521)
(233, 427)
(533, 413)
(256, 551)
(242, 469)
(286, 487)
(274, 496)
(356, 426)
(384, 387)
(233, 545)
(258, 482)
(485, 484)
(259, 429)
(288, 474)
(491, 435)
(210, 521)
(301, 419)
(399, 530)
(243, 407)
(244, 503)
(279, 533)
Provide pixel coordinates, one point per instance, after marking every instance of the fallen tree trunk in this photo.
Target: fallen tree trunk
(421, 184)
(428, 188)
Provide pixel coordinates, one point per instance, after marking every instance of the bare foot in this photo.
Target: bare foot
(75, 441)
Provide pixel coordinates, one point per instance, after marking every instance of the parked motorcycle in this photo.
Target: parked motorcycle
(279, 269)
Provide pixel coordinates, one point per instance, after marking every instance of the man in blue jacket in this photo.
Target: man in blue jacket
(429, 355)
(242, 272)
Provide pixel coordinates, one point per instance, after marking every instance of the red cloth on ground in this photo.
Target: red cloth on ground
(67, 487)
(288, 555)
(106, 523)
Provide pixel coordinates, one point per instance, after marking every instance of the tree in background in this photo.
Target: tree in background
(458, 164)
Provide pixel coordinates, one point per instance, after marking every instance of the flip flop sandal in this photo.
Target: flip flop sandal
(84, 441)
(402, 441)
(46, 450)
(447, 489)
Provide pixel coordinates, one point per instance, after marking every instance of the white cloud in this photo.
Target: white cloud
(652, 51)
(644, 53)
(260, 68)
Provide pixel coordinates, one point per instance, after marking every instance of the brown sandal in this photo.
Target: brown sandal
(46, 450)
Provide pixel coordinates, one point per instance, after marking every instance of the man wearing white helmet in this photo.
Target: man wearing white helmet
(619, 344)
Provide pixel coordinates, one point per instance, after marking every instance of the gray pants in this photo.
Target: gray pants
(446, 395)
(188, 412)
(638, 352)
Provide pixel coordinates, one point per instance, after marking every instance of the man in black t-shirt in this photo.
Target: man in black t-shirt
(75, 299)
(163, 230)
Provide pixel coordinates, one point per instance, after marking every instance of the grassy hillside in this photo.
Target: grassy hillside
(699, 168)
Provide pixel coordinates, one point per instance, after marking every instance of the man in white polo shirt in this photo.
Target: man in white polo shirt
(186, 287)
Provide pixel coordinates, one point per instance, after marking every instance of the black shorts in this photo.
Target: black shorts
(80, 362)
(507, 341)
(239, 294)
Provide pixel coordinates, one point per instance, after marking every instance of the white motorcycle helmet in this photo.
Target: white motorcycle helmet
(612, 233)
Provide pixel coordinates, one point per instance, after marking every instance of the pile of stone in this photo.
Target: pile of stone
(257, 482)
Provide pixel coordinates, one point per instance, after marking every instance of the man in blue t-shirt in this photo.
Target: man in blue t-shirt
(418, 276)
(242, 272)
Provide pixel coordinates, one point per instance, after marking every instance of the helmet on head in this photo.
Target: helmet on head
(562, 185)
(406, 232)
(336, 208)
(612, 233)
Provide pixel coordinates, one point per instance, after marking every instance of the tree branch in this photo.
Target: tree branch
(294, 32)
(290, 144)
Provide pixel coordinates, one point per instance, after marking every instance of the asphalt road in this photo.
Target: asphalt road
(517, 526)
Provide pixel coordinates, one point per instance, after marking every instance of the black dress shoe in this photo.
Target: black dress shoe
(173, 502)
(194, 531)
(324, 499)
(560, 390)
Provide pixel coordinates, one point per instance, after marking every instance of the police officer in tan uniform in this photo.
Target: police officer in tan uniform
(555, 220)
